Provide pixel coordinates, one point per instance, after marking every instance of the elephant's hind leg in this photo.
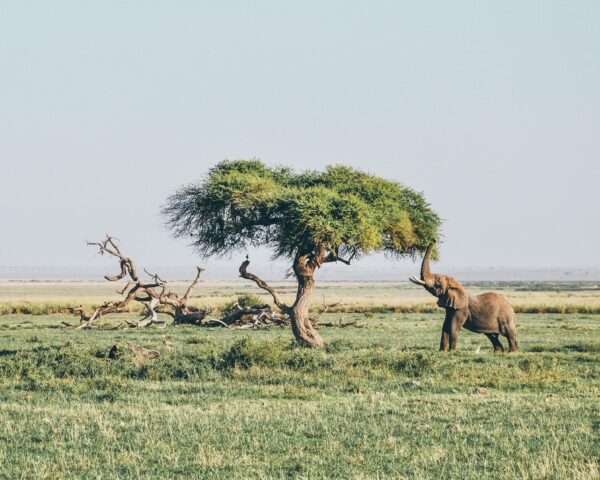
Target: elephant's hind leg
(495, 342)
(511, 335)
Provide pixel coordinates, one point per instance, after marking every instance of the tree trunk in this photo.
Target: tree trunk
(301, 324)
(304, 268)
(188, 316)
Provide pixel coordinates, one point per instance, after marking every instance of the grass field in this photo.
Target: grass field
(378, 402)
(527, 297)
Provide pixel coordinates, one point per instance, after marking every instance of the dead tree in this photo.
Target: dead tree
(151, 294)
(182, 313)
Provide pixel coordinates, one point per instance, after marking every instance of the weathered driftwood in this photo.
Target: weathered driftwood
(152, 294)
(255, 316)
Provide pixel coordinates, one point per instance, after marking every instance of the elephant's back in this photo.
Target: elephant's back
(498, 306)
(495, 304)
(493, 297)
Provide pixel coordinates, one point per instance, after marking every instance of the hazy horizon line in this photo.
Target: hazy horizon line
(463, 267)
(278, 273)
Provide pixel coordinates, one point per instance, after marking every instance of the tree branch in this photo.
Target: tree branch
(262, 284)
(186, 296)
(332, 257)
(156, 278)
(109, 246)
(335, 257)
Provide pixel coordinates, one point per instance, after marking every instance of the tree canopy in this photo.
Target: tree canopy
(343, 211)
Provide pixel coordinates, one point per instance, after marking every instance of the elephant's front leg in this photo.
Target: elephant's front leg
(445, 341)
(446, 332)
(455, 319)
(454, 337)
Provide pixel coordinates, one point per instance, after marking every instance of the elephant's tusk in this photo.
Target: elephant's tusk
(416, 280)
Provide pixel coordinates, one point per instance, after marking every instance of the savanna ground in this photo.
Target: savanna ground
(378, 402)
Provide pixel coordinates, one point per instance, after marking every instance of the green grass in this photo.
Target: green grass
(378, 402)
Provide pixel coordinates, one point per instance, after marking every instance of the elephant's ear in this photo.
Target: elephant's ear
(456, 296)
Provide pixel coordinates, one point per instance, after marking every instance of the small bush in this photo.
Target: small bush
(108, 390)
(582, 347)
(195, 340)
(338, 345)
(246, 300)
(415, 364)
(246, 353)
(307, 358)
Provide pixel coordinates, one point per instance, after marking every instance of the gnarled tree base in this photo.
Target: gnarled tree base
(305, 332)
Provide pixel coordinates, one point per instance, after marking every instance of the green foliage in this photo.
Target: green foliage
(245, 300)
(246, 353)
(245, 203)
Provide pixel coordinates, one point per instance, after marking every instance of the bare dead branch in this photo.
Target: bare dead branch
(186, 296)
(219, 322)
(156, 278)
(126, 287)
(262, 284)
(109, 246)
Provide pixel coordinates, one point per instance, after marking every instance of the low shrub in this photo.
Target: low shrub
(415, 364)
(246, 353)
(245, 300)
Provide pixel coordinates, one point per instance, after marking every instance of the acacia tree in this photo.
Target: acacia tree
(311, 218)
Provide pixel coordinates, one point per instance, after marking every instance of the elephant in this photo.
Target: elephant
(488, 313)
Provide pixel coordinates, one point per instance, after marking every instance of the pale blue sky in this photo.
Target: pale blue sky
(491, 108)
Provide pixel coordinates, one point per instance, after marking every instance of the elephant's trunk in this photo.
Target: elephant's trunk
(425, 271)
